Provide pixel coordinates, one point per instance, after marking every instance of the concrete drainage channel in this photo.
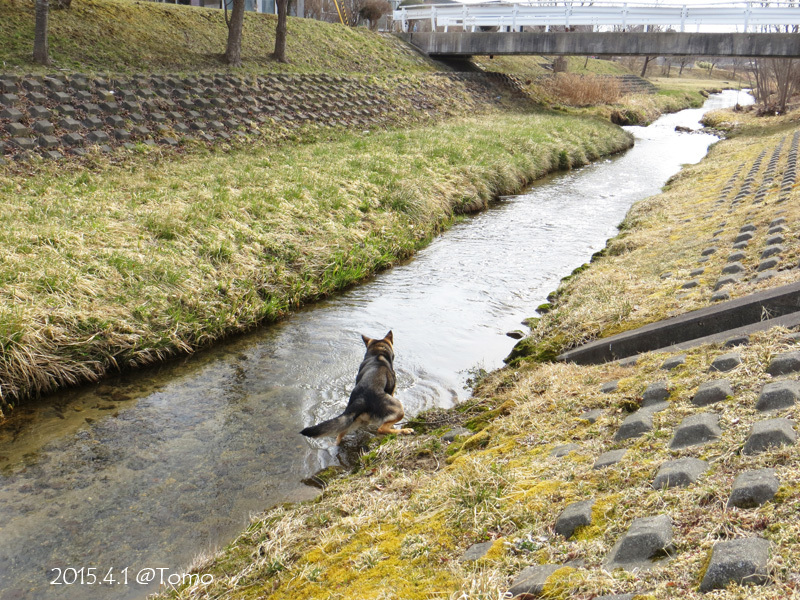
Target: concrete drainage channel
(718, 323)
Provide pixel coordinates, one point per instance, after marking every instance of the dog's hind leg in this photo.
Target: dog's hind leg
(391, 420)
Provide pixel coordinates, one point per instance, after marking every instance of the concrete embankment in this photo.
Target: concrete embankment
(669, 474)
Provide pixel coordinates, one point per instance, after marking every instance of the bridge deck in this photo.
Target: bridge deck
(754, 45)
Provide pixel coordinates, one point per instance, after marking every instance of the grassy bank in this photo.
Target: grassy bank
(641, 109)
(121, 265)
(121, 36)
(399, 527)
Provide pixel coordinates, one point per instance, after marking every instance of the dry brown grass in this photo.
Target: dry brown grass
(582, 90)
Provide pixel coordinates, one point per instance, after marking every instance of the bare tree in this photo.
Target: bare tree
(776, 80)
(233, 50)
(41, 49)
(373, 10)
(684, 61)
(647, 60)
(280, 32)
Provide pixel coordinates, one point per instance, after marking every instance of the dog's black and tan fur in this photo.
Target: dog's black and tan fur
(372, 403)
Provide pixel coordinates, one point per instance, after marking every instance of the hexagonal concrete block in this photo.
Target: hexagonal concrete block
(673, 362)
(647, 538)
(733, 268)
(577, 514)
(679, 473)
(656, 392)
(775, 240)
(737, 340)
(787, 362)
(767, 264)
(712, 391)
(563, 450)
(531, 580)
(609, 387)
(720, 296)
(777, 395)
(476, 551)
(591, 415)
(696, 429)
(772, 250)
(739, 561)
(606, 459)
(754, 488)
(764, 275)
(635, 425)
(771, 433)
(726, 362)
(97, 136)
(726, 280)
(736, 256)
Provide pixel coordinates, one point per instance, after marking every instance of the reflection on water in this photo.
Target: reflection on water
(151, 469)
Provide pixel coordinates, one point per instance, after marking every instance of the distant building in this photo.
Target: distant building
(262, 6)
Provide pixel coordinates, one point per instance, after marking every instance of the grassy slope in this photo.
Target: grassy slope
(127, 36)
(397, 529)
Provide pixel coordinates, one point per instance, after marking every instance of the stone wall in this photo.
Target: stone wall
(58, 115)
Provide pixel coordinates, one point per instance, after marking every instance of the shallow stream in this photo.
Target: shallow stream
(150, 469)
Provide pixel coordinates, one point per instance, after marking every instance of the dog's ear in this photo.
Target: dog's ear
(389, 337)
(366, 340)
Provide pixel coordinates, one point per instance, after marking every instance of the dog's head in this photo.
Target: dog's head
(383, 346)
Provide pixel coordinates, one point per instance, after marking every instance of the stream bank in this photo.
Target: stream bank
(403, 519)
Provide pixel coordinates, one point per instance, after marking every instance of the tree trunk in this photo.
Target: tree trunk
(233, 51)
(647, 60)
(41, 51)
(280, 32)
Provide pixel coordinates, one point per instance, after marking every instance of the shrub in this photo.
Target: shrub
(583, 90)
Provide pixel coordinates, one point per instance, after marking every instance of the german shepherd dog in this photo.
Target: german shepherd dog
(371, 403)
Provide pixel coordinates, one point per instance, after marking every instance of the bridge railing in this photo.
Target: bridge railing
(745, 16)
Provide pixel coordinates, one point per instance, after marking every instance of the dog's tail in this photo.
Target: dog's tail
(330, 427)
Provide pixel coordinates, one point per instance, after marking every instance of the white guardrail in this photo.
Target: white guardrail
(750, 16)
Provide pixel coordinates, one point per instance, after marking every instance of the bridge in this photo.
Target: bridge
(605, 29)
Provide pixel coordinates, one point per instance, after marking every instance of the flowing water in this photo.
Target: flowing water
(148, 470)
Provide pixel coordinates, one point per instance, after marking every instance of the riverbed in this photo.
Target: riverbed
(150, 469)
